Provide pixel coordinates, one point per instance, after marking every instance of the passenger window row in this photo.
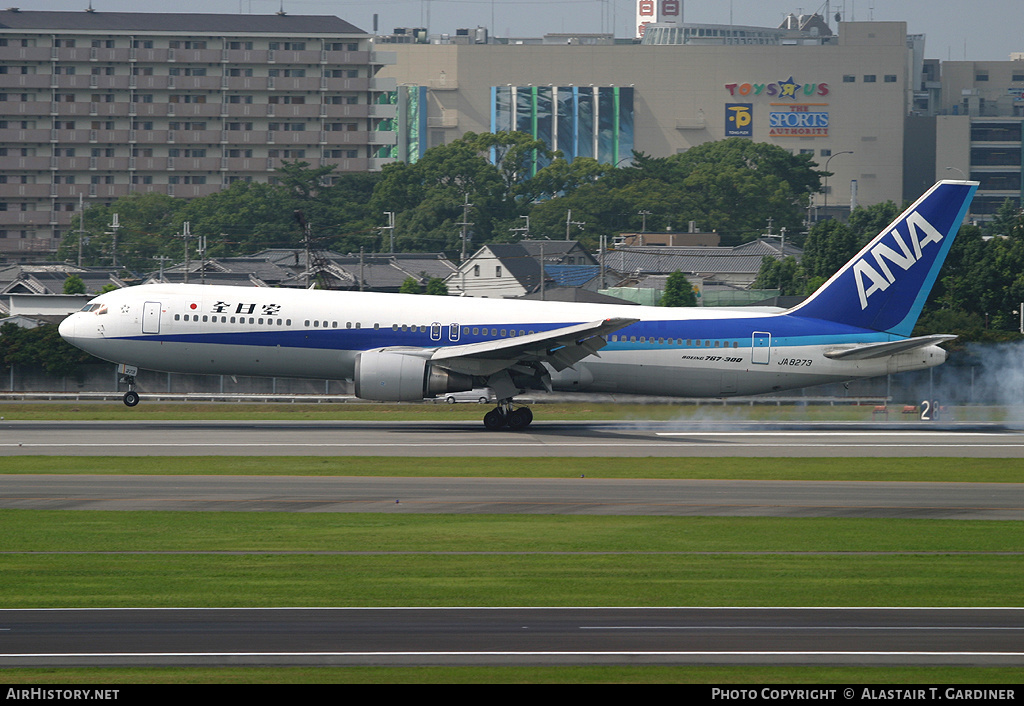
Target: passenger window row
(690, 342)
(258, 320)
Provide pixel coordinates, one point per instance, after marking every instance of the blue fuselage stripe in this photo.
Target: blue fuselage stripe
(785, 330)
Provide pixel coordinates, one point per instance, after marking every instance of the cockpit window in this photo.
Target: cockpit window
(102, 309)
(97, 308)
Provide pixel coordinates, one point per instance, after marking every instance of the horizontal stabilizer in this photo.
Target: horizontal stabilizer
(881, 350)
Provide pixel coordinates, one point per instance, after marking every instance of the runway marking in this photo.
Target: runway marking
(782, 628)
(926, 432)
(516, 443)
(538, 653)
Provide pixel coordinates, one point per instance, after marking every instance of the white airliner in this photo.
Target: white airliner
(404, 347)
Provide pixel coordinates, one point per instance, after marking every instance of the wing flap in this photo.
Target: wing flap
(561, 348)
(881, 350)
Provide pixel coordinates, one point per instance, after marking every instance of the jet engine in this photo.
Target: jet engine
(388, 376)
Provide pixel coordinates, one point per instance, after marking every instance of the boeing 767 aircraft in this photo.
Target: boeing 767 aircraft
(404, 347)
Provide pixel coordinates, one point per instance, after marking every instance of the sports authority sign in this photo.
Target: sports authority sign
(798, 120)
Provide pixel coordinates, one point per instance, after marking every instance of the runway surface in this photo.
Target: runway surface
(371, 636)
(512, 636)
(609, 439)
(591, 496)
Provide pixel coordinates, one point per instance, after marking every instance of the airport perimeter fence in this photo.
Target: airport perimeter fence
(950, 384)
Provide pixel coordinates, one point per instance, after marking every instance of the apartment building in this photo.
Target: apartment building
(95, 105)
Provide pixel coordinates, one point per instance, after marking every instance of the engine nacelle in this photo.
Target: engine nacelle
(388, 376)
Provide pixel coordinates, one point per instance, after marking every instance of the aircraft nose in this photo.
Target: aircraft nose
(67, 328)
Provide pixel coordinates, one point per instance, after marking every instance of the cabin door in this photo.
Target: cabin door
(761, 348)
(151, 317)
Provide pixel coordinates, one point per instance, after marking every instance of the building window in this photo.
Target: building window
(870, 78)
(890, 78)
(849, 78)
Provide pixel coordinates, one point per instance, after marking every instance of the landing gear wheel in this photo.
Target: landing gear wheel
(495, 419)
(520, 418)
(131, 398)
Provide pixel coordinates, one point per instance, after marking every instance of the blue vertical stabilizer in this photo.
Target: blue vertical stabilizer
(885, 286)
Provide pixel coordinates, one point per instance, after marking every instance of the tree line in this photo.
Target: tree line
(487, 186)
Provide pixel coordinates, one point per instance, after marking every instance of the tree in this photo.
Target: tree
(678, 291)
(410, 285)
(829, 245)
(40, 347)
(784, 275)
(436, 287)
(74, 285)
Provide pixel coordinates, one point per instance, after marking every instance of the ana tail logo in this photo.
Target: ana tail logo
(878, 280)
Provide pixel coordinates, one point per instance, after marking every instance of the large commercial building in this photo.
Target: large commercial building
(95, 105)
(858, 97)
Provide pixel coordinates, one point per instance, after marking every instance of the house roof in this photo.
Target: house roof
(163, 22)
(552, 248)
(576, 294)
(571, 275)
(517, 261)
(744, 258)
(48, 278)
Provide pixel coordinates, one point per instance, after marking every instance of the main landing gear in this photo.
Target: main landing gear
(128, 373)
(505, 416)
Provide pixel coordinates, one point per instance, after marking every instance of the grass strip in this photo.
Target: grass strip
(150, 531)
(580, 573)
(931, 469)
(423, 580)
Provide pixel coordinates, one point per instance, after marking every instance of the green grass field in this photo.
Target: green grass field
(93, 559)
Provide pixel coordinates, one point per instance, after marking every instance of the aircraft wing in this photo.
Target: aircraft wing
(561, 348)
(881, 350)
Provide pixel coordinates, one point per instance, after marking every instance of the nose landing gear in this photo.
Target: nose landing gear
(128, 373)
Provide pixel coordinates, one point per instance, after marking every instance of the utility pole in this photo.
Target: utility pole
(542, 291)
(304, 224)
(569, 222)
(525, 231)
(81, 227)
(162, 259)
(201, 249)
(643, 222)
(113, 232)
(185, 234)
(390, 228)
(604, 246)
(465, 227)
